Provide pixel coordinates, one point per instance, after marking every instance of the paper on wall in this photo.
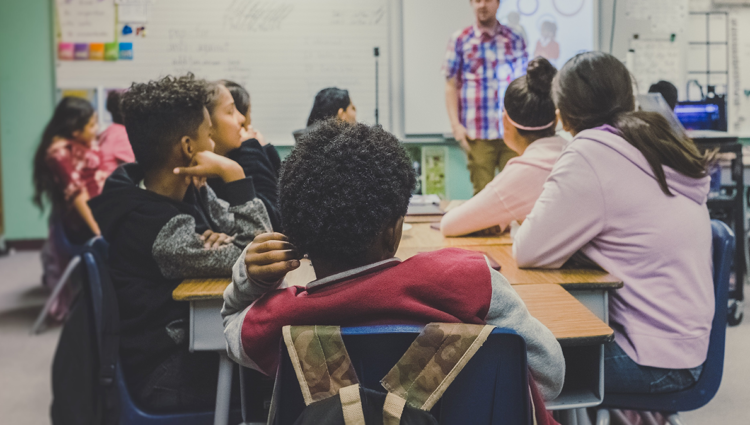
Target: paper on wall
(86, 21)
(133, 11)
(665, 16)
(656, 60)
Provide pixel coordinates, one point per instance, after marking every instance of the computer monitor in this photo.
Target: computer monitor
(708, 114)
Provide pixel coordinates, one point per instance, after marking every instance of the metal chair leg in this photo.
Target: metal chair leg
(223, 390)
(675, 419)
(72, 265)
(243, 395)
(602, 417)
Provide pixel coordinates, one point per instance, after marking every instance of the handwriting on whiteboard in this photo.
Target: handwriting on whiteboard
(257, 15)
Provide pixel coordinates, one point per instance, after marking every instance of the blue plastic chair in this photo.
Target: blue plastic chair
(491, 389)
(705, 389)
(61, 241)
(94, 259)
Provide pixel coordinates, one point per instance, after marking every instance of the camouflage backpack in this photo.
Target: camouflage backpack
(331, 389)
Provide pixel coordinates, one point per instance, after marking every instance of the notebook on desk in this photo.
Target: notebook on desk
(425, 205)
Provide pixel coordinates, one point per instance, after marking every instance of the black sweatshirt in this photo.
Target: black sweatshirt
(153, 245)
(253, 158)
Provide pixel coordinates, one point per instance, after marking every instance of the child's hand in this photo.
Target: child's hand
(270, 257)
(255, 134)
(206, 164)
(214, 240)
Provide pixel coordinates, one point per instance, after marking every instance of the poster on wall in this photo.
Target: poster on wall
(551, 28)
(86, 21)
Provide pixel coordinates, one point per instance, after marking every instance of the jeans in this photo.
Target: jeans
(624, 376)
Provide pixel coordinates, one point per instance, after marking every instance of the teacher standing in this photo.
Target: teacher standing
(482, 59)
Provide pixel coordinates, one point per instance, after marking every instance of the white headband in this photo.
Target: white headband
(523, 127)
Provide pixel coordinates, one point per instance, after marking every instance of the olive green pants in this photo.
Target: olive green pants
(484, 157)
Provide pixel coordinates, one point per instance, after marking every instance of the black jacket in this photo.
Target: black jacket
(254, 159)
(154, 245)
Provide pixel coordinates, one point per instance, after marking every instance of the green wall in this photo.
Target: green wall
(26, 103)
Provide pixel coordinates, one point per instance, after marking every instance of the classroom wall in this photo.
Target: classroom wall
(26, 103)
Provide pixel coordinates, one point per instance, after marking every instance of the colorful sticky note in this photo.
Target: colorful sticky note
(96, 51)
(81, 51)
(65, 51)
(111, 51)
(126, 51)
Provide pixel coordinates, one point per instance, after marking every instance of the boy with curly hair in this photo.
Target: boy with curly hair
(343, 195)
(164, 225)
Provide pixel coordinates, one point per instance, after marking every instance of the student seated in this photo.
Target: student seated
(344, 191)
(226, 132)
(154, 231)
(332, 102)
(630, 194)
(67, 173)
(667, 90)
(113, 142)
(242, 103)
(529, 122)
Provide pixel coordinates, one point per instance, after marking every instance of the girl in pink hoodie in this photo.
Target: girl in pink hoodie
(630, 194)
(529, 123)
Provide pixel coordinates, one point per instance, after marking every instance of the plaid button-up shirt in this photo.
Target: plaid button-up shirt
(484, 64)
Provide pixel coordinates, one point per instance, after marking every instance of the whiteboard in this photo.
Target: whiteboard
(429, 24)
(282, 51)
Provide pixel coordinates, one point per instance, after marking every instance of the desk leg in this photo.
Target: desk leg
(574, 417)
(223, 390)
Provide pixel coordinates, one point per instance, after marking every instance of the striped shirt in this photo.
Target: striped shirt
(484, 64)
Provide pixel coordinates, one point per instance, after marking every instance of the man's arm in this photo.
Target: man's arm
(451, 70)
(451, 104)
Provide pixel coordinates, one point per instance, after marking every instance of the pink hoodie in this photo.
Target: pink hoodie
(602, 198)
(510, 195)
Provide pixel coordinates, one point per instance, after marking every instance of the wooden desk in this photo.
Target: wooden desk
(423, 236)
(570, 322)
(589, 286)
(577, 317)
(578, 330)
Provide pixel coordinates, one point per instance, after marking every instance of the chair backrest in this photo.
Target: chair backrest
(491, 389)
(60, 239)
(708, 384)
(105, 315)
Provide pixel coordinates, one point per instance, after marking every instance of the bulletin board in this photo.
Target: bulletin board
(282, 51)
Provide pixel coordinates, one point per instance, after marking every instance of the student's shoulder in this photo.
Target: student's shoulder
(448, 262)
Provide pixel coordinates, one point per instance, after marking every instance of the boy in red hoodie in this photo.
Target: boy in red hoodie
(343, 195)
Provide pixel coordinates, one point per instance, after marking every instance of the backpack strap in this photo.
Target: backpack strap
(321, 362)
(429, 366)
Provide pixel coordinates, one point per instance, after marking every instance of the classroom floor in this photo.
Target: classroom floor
(25, 360)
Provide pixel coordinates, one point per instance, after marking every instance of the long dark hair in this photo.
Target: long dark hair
(71, 115)
(113, 106)
(528, 99)
(327, 104)
(239, 94)
(595, 88)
